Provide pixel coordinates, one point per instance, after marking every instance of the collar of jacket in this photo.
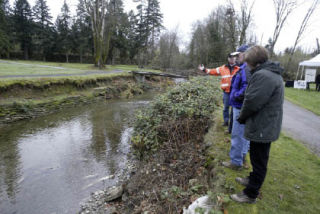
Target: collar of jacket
(243, 65)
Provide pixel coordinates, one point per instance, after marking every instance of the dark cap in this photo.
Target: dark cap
(242, 48)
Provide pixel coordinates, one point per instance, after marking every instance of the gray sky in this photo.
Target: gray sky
(181, 14)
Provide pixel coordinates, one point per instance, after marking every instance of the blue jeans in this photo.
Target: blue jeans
(239, 145)
(226, 107)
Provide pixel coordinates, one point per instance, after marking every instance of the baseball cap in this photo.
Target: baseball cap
(233, 54)
(242, 48)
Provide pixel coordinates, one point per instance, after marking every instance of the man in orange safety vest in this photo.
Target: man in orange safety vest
(226, 72)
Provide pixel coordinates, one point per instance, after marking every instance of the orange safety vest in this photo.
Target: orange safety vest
(225, 74)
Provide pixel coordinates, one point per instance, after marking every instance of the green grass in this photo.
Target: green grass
(11, 67)
(292, 184)
(307, 99)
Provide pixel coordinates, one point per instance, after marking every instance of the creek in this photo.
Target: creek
(51, 164)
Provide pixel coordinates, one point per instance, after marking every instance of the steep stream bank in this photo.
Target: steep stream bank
(21, 101)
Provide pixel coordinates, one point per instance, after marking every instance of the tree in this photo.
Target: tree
(42, 18)
(230, 26)
(154, 23)
(97, 10)
(63, 24)
(303, 27)
(133, 36)
(119, 27)
(149, 24)
(23, 25)
(283, 9)
(245, 20)
(81, 32)
(4, 34)
(169, 49)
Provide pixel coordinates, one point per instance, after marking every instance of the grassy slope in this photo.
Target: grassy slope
(34, 67)
(292, 184)
(306, 99)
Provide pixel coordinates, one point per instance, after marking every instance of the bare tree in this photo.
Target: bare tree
(303, 27)
(230, 26)
(97, 10)
(245, 20)
(169, 48)
(283, 9)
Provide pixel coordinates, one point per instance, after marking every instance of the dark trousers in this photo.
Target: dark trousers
(259, 156)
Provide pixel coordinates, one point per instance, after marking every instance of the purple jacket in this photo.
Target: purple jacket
(239, 84)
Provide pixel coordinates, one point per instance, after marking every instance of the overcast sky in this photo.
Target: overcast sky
(181, 14)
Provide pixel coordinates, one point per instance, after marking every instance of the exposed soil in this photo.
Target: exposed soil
(165, 182)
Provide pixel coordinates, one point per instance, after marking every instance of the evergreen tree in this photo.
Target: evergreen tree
(22, 18)
(118, 28)
(4, 37)
(148, 28)
(64, 32)
(154, 21)
(133, 36)
(43, 36)
(81, 32)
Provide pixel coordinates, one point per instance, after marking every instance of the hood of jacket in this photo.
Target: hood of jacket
(271, 66)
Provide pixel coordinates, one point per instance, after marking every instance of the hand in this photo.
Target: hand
(202, 68)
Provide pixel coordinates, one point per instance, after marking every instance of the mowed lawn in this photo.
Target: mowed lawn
(307, 99)
(20, 68)
(292, 183)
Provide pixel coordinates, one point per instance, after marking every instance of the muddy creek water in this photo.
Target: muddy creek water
(52, 164)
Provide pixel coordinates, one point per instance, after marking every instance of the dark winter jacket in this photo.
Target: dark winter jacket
(239, 84)
(263, 104)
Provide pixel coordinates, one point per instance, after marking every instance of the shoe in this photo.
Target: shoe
(241, 197)
(242, 181)
(225, 124)
(230, 165)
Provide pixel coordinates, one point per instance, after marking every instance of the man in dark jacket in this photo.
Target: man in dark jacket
(262, 114)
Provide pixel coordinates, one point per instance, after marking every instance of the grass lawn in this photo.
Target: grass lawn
(11, 67)
(307, 99)
(292, 184)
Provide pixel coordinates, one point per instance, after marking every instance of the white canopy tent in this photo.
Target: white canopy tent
(313, 62)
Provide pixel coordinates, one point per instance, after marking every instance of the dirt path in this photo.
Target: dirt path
(302, 125)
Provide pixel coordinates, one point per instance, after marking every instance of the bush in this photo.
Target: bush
(182, 114)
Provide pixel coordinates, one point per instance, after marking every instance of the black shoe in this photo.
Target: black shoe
(242, 181)
(225, 124)
(241, 197)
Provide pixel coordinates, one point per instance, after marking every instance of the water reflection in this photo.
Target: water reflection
(51, 164)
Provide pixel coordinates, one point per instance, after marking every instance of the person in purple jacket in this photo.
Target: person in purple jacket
(239, 82)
